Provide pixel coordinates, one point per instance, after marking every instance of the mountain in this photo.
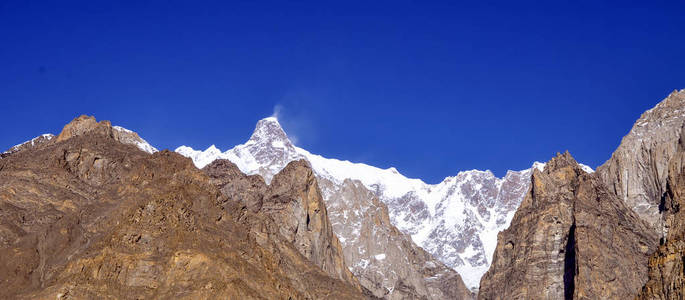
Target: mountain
(613, 234)
(456, 220)
(88, 214)
(571, 238)
(637, 171)
(386, 260)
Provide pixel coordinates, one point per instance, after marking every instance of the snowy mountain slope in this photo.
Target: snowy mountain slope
(456, 221)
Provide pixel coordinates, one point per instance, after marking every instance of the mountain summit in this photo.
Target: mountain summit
(269, 131)
(266, 152)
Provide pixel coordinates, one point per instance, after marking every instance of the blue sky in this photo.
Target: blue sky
(430, 88)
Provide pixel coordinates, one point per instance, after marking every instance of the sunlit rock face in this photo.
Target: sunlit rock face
(638, 169)
(293, 205)
(571, 238)
(666, 265)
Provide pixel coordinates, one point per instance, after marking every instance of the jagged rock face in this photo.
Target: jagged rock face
(293, 203)
(88, 217)
(638, 169)
(570, 239)
(385, 260)
(81, 125)
(456, 221)
(667, 264)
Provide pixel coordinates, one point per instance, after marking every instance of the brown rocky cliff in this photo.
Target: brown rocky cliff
(667, 264)
(570, 239)
(293, 198)
(88, 217)
(293, 204)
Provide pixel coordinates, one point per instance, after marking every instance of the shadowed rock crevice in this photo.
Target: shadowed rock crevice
(570, 266)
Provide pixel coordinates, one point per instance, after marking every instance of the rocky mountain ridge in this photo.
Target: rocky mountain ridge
(456, 220)
(87, 215)
(594, 236)
(571, 230)
(572, 238)
(85, 124)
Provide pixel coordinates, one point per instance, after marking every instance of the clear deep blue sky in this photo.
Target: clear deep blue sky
(428, 88)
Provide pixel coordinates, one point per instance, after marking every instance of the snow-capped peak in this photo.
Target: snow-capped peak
(266, 152)
(269, 131)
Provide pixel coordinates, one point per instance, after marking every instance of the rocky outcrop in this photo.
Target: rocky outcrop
(638, 169)
(83, 124)
(667, 265)
(90, 217)
(571, 238)
(292, 203)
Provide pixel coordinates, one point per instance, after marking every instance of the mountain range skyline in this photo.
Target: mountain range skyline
(461, 215)
(456, 222)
